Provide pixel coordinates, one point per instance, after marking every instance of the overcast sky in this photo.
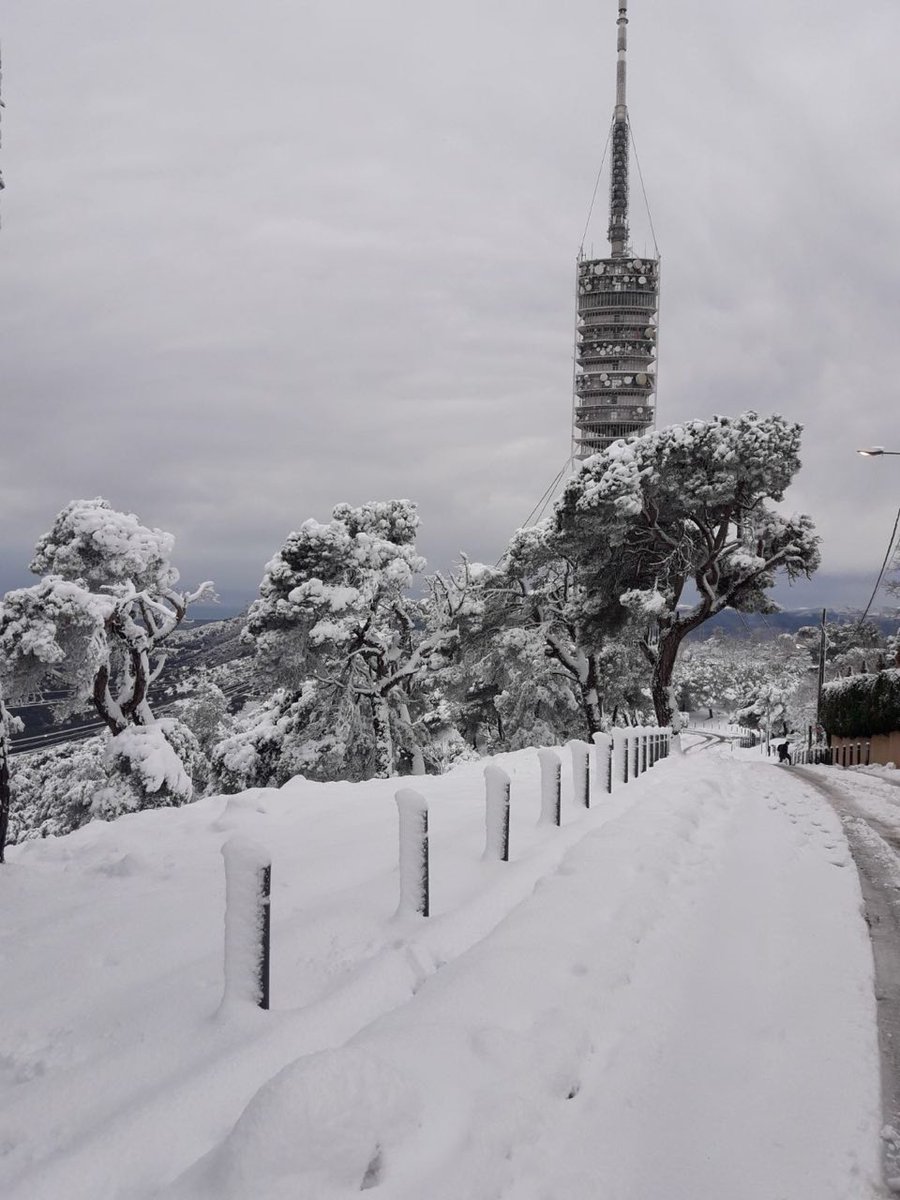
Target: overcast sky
(264, 256)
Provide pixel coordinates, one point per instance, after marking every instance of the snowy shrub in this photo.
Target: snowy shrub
(205, 712)
(147, 767)
(60, 789)
(862, 705)
(291, 734)
(53, 790)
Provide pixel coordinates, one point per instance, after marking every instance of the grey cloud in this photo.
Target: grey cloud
(261, 258)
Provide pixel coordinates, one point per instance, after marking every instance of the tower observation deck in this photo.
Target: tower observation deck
(618, 307)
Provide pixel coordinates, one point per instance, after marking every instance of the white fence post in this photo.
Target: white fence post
(412, 811)
(496, 813)
(551, 787)
(248, 887)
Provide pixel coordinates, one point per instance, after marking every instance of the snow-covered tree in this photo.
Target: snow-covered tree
(205, 712)
(95, 624)
(683, 510)
(523, 674)
(851, 647)
(761, 681)
(334, 612)
(54, 789)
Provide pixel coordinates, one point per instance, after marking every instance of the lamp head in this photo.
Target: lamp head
(872, 451)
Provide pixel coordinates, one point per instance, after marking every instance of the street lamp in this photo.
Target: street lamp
(876, 451)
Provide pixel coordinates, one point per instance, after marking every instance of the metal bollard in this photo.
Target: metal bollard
(248, 891)
(551, 787)
(412, 812)
(496, 808)
(581, 772)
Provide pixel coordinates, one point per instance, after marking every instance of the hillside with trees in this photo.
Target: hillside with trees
(355, 663)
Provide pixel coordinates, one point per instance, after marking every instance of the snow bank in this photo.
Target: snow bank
(668, 996)
(324, 1125)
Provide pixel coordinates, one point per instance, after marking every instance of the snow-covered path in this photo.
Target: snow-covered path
(669, 997)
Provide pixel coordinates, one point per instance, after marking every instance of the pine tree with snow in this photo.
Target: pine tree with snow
(681, 508)
(522, 674)
(334, 622)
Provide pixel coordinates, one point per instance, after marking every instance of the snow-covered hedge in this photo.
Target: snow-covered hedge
(862, 705)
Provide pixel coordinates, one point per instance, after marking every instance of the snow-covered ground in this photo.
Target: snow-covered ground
(669, 998)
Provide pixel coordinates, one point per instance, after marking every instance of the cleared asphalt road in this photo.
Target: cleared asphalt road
(875, 846)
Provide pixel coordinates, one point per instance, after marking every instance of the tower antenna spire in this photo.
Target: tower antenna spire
(622, 47)
(618, 187)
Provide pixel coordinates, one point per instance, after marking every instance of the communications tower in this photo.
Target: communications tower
(618, 305)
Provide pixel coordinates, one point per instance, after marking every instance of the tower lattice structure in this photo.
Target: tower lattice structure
(618, 307)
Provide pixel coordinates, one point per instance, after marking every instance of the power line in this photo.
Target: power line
(644, 191)
(541, 505)
(596, 189)
(887, 556)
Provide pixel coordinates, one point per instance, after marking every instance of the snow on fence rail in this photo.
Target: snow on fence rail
(248, 868)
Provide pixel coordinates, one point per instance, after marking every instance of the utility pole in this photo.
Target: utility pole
(2, 184)
(822, 648)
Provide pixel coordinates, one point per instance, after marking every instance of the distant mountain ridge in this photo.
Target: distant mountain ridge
(789, 620)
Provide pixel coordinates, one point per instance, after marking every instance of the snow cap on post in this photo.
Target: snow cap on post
(412, 809)
(581, 772)
(551, 787)
(496, 816)
(247, 875)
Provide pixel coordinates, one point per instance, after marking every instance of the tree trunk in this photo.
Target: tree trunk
(4, 779)
(384, 743)
(418, 758)
(663, 668)
(591, 704)
(107, 709)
